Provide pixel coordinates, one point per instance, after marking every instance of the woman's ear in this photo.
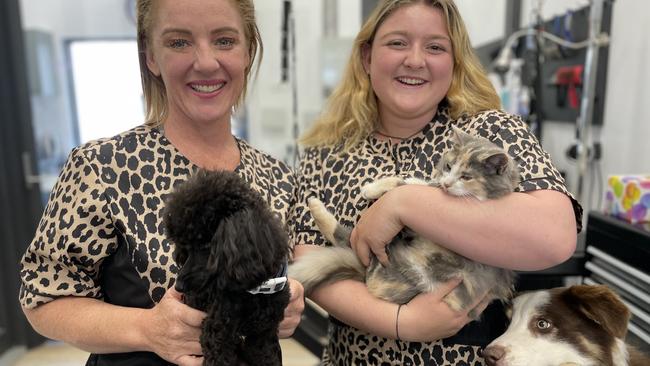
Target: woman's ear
(152, 65)
(366, 50)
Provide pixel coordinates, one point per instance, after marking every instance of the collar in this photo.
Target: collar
(273, 285)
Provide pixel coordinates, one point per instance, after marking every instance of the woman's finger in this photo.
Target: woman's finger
(447, 287)
(192, 317)
(359, 248)
(189, 360)
(381, 254)
(480, 305)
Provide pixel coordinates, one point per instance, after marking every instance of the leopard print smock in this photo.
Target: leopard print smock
(336, 178)
(102, 235)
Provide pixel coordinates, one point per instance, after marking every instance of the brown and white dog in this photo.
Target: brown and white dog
(579, 325)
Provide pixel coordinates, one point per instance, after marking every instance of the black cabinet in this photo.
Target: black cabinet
(618, 255)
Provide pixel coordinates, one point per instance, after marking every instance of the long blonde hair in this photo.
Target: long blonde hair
(351, 113)
(153, 87)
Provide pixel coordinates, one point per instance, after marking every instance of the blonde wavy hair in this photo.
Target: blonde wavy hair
(351, 113)
(153, 87)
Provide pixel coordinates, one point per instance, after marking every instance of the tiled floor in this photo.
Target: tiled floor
(59, 354)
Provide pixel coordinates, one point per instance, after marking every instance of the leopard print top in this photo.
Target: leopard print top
(101, 234)
(336, 177)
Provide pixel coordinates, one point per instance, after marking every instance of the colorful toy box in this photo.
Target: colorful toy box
(628, 197)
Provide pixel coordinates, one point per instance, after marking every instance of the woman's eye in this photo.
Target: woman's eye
(177, 43)
(225, 42)
(436, 48)
(543, 324)
(396, 43)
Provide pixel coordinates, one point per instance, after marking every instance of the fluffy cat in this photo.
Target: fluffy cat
(473, 167)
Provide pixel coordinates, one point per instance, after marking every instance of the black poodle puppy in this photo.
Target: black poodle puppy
(233, 252)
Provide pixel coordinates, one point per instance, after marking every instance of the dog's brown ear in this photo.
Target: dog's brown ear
(600, 304)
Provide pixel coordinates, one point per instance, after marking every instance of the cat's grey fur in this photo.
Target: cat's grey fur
(473, 167)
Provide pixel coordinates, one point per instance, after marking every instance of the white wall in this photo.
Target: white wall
(270, 102)
(549, 9)
(105, 18)
(485, 20)
(626, 131)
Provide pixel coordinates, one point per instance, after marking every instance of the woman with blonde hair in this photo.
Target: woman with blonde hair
(411, 77)
(100, 272)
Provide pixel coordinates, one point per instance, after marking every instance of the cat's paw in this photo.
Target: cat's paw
(377, 188)
(417, 181)
(317, 208)
(324, 219)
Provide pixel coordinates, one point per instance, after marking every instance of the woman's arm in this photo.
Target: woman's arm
(171, 329)
(424, 318)
(521, 231)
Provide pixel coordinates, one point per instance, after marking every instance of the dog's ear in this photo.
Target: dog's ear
(248, 248)
(601, 305)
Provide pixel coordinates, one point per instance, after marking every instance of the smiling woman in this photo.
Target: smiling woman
(203, 65)
(100, 271)
(410, 62)
(411, 79)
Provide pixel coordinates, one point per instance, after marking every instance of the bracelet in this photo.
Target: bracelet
(399, 307)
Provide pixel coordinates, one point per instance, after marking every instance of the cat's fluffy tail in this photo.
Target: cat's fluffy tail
(326, 265)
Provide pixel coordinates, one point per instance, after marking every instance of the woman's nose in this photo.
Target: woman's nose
(414, 58)
(206, 59)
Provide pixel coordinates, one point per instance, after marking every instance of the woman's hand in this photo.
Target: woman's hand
(427, 317)
(376, 227)
(293, 311)
(173, 330)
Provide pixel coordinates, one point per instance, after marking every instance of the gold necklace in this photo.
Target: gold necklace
(396, 137)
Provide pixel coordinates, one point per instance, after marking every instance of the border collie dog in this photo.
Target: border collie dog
(570, 326)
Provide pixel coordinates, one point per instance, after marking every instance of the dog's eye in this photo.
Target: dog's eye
(543, 324)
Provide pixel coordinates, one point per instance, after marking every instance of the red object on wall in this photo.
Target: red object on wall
(570, 77)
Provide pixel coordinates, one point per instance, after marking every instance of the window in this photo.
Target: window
(107, 92)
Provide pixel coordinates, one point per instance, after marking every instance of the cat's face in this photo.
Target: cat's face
(476, 167)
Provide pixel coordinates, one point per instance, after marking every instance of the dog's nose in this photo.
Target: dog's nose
(493, 354)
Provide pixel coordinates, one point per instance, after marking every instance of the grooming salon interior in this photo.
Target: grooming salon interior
(577, 71)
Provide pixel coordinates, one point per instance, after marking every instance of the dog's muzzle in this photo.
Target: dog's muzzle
(273, 285)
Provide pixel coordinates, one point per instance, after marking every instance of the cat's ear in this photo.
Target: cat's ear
(459, 137)
(496, 163)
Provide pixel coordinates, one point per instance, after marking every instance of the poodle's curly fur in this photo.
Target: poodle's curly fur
(227, 242)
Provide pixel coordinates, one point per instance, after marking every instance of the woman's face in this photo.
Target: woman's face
(200, 50)
(410, 63)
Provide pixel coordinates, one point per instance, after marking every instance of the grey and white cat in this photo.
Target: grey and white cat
(473, 167)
